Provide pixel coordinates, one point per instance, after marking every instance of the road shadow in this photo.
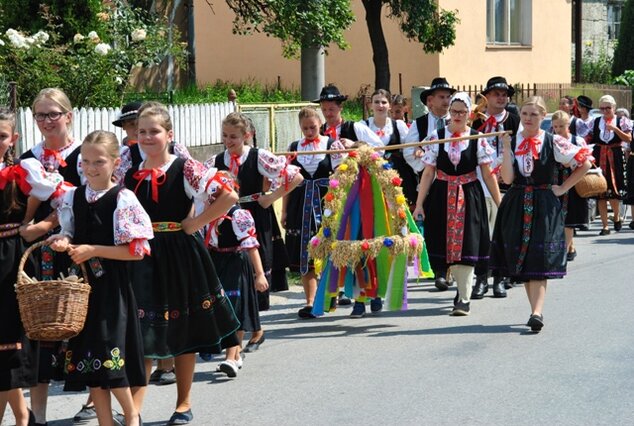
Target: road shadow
(607, 240)
(461, 329)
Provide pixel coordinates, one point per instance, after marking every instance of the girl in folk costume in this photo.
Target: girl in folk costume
(58, 151)
(233, 245)
(452, 202)
(575, 208)
(182, 306)
(302, 208)
(528, 240)
(252, 166)
(392, 132)
(608, 134)
(106, 226)
(19, 180)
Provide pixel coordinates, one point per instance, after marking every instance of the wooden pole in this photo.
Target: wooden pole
(395, 147)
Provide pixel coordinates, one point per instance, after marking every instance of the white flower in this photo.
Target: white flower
(139, 34)
(11, 32)
(29, 40)
(1, 42)
(78, 38)
(17, 39)
(41, 37)
(102, 49)
(118, 80)
(93, 36)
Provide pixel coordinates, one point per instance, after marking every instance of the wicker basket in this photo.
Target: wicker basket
(592, 184)
(51, 310)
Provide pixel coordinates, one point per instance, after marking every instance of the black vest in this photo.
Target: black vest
(347, 130)
(94, 222)
(545, 170)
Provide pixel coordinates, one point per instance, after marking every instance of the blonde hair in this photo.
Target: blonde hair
(10, 201)
(239, 120)
(561, 115)
(106, 139)
(308, 112)
(607, 99)
(537, 102)
(157, 111)
(57, 96)
(8, 116)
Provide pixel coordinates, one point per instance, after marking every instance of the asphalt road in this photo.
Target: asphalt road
(423, 367)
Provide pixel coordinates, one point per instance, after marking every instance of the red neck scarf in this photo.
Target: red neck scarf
(157, 178)
(314, 142)
(48, 153)
(234, 164)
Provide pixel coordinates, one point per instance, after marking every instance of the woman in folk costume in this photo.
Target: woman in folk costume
(608, 134)
(452, 202)
(528, 241)
(303, 207)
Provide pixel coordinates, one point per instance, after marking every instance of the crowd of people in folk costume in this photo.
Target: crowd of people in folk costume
(182, 254)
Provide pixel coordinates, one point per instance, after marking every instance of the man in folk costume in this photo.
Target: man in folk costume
(437, 100)
(494, 118)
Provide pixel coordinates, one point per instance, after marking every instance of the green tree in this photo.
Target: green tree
(419, 20)
(624, 52)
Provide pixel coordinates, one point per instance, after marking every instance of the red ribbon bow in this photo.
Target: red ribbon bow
(15, 174)
(489, 123)
(529, 145)
(48, 153)
(314, 142)
(380, 133)
(157, 179)
(331, 131)
(234, 164)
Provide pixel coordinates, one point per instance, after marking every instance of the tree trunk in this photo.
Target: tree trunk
(379, 46)
(313, 72)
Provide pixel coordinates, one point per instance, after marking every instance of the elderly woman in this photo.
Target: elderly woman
(451, 199)
(528, 241)
(608, 135)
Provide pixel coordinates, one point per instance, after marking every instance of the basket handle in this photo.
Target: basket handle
(37, 245)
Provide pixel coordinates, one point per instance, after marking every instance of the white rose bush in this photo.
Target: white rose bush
(94, 67)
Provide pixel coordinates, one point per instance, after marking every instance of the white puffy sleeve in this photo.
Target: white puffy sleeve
(132, 225)
(244, 228)
(201, 182)
(124, 165)
(409, 153)
(570, 154)
(365, 134)
(486, 153)
(34, 181)
(430, 152)
(275, 168)
(403, 130)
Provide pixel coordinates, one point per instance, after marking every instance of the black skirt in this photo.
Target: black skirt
(236, 276)
(182, 306)
(108, 353)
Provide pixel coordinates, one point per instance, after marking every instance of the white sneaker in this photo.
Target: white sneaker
(239, 363)
(229, 367)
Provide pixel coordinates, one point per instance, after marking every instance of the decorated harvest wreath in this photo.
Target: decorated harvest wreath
(367, 234)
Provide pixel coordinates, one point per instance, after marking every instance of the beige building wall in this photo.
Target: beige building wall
(222, 55)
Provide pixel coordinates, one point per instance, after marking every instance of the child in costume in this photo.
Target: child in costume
(19, 180)
(302, 208)
(182, 306)
(105, 226)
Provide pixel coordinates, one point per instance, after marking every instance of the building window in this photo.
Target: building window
(614, 19)
(509, 22)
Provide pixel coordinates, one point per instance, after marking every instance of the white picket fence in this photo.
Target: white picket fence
(194, 125)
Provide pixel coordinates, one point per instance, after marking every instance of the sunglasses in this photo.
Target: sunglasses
(52, 116)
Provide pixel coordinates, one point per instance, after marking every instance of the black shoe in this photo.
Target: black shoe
(181, 418)
(441, 284)
(571, 255)
(254, 346)
(583, 227)
(155, 377)
(604, 232)
(631, 225)
(536, 323)
(618, 225)
(306, 312)
(480, 288)
(498, 288)
(342, 300)
(461, 309)
(86, 413)
(455, 299)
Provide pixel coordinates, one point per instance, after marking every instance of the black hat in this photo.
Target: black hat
(499, 83)
(436, 84)
(330, 93)
(128, 112)
(584, 101)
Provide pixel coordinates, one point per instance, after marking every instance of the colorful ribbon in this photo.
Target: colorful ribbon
(606, 155)
(15, 174)
(455, 212)
(9, 229)
(166, 226)
(527, 222)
